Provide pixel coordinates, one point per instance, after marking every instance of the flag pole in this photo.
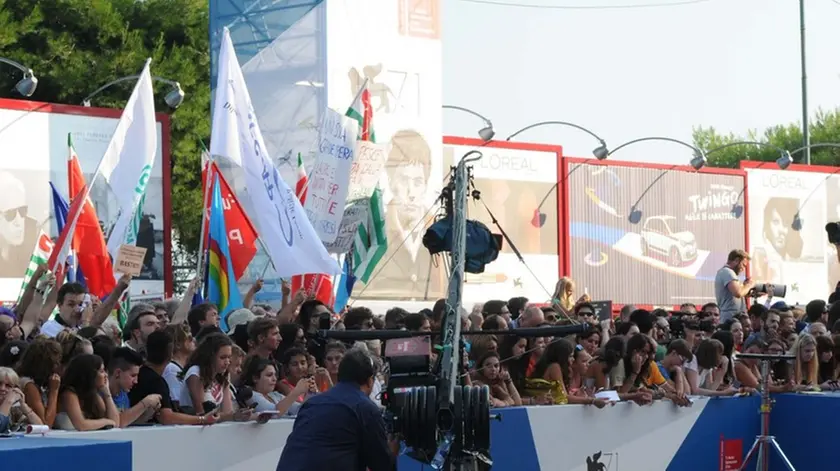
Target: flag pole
(207, 189)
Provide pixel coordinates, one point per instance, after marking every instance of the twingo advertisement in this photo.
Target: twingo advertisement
(788, 211)
(395, 46)
(517, 183)
(34, 136)
(646, 235)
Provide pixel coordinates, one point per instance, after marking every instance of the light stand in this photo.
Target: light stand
(764, 441)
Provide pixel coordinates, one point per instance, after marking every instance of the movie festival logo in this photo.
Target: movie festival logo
(717, 204)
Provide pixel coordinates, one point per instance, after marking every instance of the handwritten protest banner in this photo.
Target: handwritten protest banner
(329, 180)
(354, 214)
(130, 260)
(364, 175)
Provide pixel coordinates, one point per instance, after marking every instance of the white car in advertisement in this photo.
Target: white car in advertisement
(661, 238)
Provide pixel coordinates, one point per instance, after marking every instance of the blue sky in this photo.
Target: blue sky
(731, 64)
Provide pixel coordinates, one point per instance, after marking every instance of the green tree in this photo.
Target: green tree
(74, 46)
(825, 128)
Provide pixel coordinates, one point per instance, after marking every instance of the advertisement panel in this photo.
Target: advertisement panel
(396, 47)
(651, 235)
(33, 137)
(787, 215)
(518, 186)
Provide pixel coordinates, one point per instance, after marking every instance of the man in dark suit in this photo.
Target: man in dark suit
(407, 271)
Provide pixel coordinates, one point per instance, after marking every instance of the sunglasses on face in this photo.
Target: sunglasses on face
(9, 215)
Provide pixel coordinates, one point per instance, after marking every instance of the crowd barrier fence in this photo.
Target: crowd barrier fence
(713, 434)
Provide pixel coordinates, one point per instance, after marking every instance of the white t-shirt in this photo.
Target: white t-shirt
(266, 404)
(212, 394)
(51, 328)
(170, 374)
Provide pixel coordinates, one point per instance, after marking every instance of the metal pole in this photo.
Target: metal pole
(806, 134)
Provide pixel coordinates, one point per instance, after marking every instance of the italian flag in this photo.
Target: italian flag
(40, 256)
(302, 180)
(318, 285)
(370, 243)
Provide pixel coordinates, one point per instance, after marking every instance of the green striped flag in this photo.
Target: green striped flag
(40, 255)
(370, 243)
(131, 239)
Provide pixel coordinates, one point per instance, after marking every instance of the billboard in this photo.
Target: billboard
(788, 211)
(395, 47)
(518, 184)
(645, 235)
(33, 137)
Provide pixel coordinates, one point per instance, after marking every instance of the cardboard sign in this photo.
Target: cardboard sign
(130, 260)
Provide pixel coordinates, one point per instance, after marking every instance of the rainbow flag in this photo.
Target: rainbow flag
(221, 284)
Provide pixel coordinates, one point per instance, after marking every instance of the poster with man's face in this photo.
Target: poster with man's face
(398, 59)
(19, 222)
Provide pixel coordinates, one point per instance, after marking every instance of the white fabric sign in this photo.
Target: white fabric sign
(329, 180)
(364, 175)
(130, 157)
(290, 239)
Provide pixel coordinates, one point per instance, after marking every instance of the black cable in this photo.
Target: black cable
(591, 7)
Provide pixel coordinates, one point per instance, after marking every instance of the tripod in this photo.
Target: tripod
(764, 441)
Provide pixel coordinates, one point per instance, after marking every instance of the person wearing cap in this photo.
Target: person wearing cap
(730, 292)
(238, 317)
(141, 322)
(18, 231)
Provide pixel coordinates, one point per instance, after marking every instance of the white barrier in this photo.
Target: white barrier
(532, 438)
(220, 447)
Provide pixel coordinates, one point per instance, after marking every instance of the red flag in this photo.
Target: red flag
(88, 239)
(320, 286)
(242, 237)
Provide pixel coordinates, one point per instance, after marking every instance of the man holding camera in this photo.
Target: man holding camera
(730, 292)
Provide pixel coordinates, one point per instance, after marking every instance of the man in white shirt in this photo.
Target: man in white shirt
(71, 303)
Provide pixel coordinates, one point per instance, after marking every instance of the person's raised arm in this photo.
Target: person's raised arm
(71, 404)
(51, 302)
(180, 314)
(105, 308)
(248, 300)
(31, 286)
(287, 313)
(32, 314)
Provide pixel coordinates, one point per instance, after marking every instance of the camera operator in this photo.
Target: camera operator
(730, 293)
(342, 428)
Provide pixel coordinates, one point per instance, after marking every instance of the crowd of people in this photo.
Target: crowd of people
(65, 363)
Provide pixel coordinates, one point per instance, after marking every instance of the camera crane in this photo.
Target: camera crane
(444, 422)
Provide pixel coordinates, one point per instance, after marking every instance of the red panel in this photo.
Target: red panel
(684, 170)
(167, 203)
(793, 167)
(163, 118)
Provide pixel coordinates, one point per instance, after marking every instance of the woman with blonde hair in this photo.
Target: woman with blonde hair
(564, 296)
(15, 414)
(806, 366)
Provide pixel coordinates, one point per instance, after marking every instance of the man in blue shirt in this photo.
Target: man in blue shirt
(341, 429)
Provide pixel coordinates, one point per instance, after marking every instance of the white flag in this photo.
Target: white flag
(290, 239)
(128, 161)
